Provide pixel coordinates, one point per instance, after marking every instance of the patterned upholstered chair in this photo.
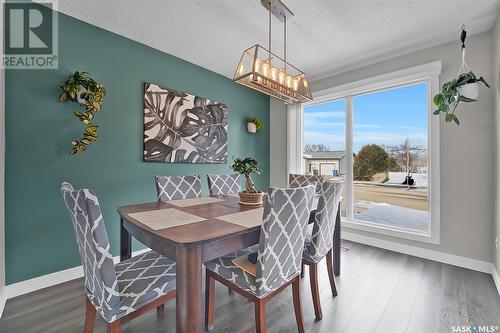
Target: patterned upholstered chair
(122, 292)
(319, 240)
(223, 184)
(177, 187)
(278, 256)
(296, 180)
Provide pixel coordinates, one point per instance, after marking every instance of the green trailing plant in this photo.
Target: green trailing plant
(81, 88)
(259, 123)
(449, 98)
(246, 167)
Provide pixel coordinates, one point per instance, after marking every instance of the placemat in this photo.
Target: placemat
(165, 218)
(194, 201)
(248, 218)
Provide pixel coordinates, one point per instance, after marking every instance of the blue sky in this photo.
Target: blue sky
(386, 118)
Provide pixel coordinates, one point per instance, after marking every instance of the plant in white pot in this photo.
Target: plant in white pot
(463, 88)
(254, 125)
(246, 167)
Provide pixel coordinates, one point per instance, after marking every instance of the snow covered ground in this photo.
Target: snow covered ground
(390, 215)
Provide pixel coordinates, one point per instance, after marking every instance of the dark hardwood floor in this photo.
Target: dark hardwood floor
(378, 291)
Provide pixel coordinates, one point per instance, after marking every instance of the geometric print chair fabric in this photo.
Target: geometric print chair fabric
(297, 180)
(177, 187)
(319, 240)
(113, 291)
(279, 252)
(223, 184)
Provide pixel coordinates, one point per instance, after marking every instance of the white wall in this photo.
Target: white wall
(496, 73)
(467, 189)
(278, 148)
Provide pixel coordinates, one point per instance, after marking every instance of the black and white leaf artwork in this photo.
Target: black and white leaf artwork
(182, 128)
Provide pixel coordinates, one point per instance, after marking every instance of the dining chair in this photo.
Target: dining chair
(298, 180)
(122, 292)
(277, 257)
(223, 184)
(177, 187)
(319, 240)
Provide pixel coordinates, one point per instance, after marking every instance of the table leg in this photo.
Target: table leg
(188, 298)
(125, 243)
(336, 244)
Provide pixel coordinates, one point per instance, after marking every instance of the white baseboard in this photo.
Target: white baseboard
(474, 264)
(24, 287)
(496, 277)
(3, 300)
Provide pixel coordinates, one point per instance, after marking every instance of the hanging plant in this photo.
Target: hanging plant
(81, 88)
(464, 88)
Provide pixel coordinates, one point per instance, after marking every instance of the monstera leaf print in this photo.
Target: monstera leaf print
(183, 128)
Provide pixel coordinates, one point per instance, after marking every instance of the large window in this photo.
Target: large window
(390, 130)
(378, 140)
(324, 141)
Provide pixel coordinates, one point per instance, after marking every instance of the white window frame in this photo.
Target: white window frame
(295, 134)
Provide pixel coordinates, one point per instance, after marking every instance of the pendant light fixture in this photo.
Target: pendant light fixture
(262, 70)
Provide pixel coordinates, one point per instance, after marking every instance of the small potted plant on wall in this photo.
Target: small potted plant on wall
(246, 167)
(254, 125)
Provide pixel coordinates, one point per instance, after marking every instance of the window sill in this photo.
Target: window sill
(391, 231)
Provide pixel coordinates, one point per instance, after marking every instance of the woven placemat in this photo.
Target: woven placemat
(165, 218)
(248, 218)
(194, 201)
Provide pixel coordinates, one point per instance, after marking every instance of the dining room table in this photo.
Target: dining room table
(193, 231)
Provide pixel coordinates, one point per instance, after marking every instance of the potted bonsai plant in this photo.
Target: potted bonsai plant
(246, 167)
(254, 125)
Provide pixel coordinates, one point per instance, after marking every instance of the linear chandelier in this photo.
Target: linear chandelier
(262, 70)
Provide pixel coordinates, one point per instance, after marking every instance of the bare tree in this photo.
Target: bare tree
(408, 156)
(316, 147)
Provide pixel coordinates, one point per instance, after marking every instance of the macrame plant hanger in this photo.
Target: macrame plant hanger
(463, 68)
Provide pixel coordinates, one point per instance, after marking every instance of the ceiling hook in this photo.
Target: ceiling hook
(463, 36)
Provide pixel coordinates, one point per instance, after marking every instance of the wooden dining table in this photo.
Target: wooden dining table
(190, 245)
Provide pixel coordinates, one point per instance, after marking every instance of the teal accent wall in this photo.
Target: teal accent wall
(39, 129)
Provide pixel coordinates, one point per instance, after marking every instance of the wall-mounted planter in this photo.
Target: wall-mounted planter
(254, 125)
(251, 128)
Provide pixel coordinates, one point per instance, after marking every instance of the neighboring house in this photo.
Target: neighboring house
(329, 163)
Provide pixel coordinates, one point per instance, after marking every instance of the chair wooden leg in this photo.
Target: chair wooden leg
(114, 327)
(260, 316)
(297, 306)
(331, 276)
(302, 271)
(229, 290)
(313, 279)
(209, 302)
(89, 316)
(160, 310)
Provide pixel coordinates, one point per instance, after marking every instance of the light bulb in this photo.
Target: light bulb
(305, 83)
(289, 81)
(281, 77)
(265, 70)
(257, 65)
(274, 74)
(296, 84)
(241, 69)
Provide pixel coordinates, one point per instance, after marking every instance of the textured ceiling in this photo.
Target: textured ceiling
(324, 37)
